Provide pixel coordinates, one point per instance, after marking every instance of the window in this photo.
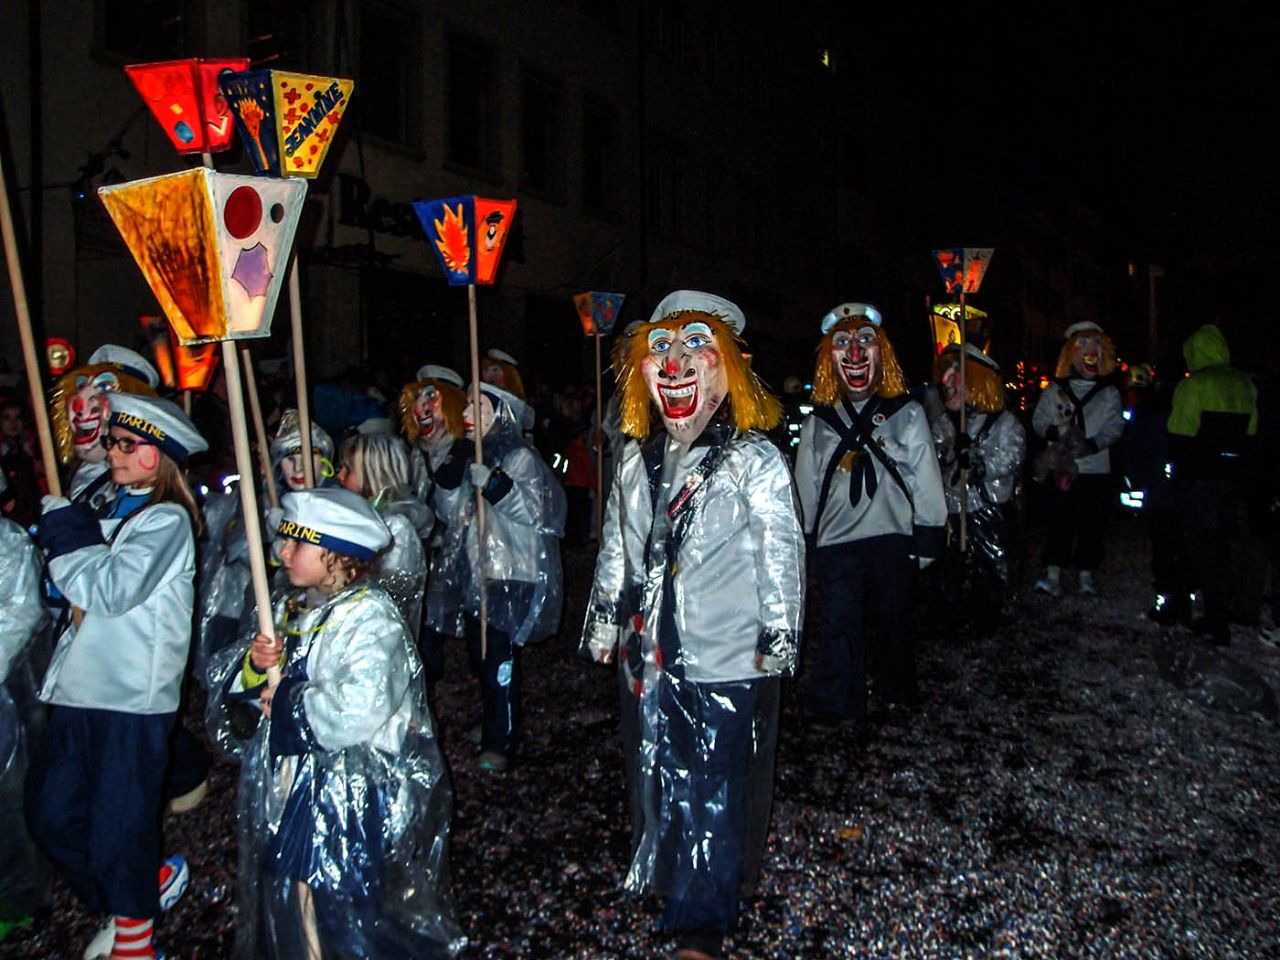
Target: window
(541, 136)
(599, 159)
(472, 91)
(143, 30)
(388, 83)
(277, 35)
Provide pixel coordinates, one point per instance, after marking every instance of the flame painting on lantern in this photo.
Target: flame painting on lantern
(467, 234)
(598, 311)
(212, 246)
(180, 368)
(184, 97)
(963, 268)
(287, 121)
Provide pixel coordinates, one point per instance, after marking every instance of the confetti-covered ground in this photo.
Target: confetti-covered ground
(1081, 784)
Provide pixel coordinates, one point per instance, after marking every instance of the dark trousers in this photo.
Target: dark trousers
(716, 785)
(1213, 521)
(1078, 522)
(93, 800)
(1171, 572)
(866, 589)
(500, 675)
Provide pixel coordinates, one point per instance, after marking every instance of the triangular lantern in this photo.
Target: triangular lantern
(287, 121)
(212, 246)
(946, 326)
(467, 234)
(962, 268)
(183, 96)
(598, 312)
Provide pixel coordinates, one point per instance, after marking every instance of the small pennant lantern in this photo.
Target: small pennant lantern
(962, 268)
(287, 121)
(598, 311)
(183, 96)
(467, 234)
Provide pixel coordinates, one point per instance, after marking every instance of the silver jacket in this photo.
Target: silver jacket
(223, 576)
(1103, 419)
(702, 557)
(876, 505)
(519, 563)
(137, 594)
(999, 449)
(350, 742)
(21, 599)
(401, 569)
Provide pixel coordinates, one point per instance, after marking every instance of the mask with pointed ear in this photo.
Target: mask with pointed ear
(685, 373)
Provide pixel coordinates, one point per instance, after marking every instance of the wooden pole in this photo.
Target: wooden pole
(964, 429)
(248, 497)
(259, 427)
(300, 373)
(599, 438)
(35, 383)
(479, 447)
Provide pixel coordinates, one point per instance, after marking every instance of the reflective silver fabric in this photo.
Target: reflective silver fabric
(22, 611)
(1001, 452)
(401, 569)
(223, 576)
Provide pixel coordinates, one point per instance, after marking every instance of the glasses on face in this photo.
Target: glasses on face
(126, 444)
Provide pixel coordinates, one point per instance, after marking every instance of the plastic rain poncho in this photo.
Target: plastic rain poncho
(401, 569)
(344, 800)
(520, 560)
(700, 581)
(222, 579)
(22, 615)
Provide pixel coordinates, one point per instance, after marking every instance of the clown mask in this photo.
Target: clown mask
(492, 372)
(428, 413)
(952, 396)
(1086, 356)
(291, 468)
(855, 353)
(486, 417)
(88, 411)
(686, 376)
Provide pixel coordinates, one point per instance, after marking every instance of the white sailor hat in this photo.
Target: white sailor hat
(288, 438)
(134, 364)
(433, 371)
(683, 301)
(1084, 326)
(158, 421)
(850, 311)
(973, 352)
(495, 354)
(336, 519)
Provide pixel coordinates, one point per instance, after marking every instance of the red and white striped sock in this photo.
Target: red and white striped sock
(133, 939)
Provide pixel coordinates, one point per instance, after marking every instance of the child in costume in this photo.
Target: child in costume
(344, 800)
(95, 788)
(517, 566)
(376, 466)
(22, 618)
(698, 595)
(1080, 411)
(871, 492)
(989, 454)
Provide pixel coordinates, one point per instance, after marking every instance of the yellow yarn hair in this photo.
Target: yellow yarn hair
(1106, 363)
(452, 402)
(751, 405)
(983, 385)
(68, 385)
(828, 388)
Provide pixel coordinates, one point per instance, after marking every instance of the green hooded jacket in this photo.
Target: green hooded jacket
(1214, 387)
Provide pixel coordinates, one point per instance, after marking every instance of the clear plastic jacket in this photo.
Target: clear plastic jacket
(423, 465)
(519, 561)
(21, 596)
(401, 569)
(700, 582)
(998, 453)
(344, 797)
(137, 593)
(1103, 417)
(864, 500)
(222, 579)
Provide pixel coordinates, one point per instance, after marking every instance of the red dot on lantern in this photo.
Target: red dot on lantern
(243, 212)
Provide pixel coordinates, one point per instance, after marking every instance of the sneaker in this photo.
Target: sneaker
(174, 879)
(190, 800)
(1051, 587)
(492, 762)
(103, 942)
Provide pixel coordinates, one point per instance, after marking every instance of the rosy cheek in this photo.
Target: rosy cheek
(148, 458)
(711, 358)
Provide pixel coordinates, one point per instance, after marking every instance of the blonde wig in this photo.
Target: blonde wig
(982, 383)
(1106, 363)
(828, 388)
(68, 385)
(452, 402)
(751, 405)
(381, 464)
